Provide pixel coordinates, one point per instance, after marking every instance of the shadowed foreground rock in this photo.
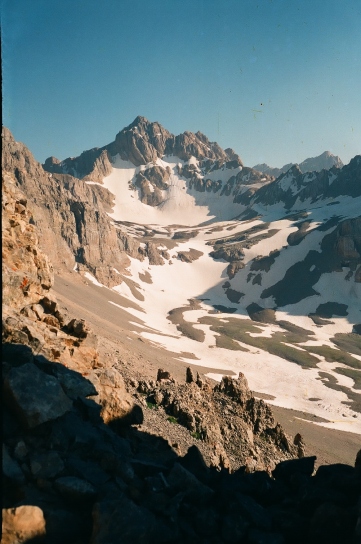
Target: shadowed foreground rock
(72, 478)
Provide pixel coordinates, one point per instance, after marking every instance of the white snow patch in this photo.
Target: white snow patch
(93, 280)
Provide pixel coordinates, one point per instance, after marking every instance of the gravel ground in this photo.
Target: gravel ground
(137, 357)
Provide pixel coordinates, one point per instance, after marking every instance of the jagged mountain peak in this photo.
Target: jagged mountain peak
(324, 161)
(143, 142)
(140, 119)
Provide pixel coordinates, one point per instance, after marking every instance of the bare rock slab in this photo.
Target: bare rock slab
(123, 521)
(35, 396)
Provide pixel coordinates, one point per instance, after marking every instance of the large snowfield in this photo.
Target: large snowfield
(175, 283)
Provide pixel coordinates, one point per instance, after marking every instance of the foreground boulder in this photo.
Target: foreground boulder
(35, 396)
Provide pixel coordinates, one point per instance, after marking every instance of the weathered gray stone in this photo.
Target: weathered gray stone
(35, 396)
(11, 468)
(75, 488)
(123, 521)
(21, 451)
(39, 310)
(74, 384)
(113, 397)
(46, 465)
(183, 480)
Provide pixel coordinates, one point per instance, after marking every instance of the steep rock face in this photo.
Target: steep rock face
(151, 183)
(69, 214)
(27, 272)
(141, 142)
(30, 313)
(91, 165)
(348, 242)
(197, 145)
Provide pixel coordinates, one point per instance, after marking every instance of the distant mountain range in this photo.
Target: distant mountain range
(325, 161)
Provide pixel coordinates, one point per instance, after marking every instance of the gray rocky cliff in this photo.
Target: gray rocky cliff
(70, 215)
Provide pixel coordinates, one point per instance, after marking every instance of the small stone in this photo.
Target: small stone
(52, 321)
(163, 375)
(38, 309)
(21, 450)
(46, 465)
(49, 303)
(190, 375)
(158, 397)
(78, 327)
(11, 468)
(75, 488)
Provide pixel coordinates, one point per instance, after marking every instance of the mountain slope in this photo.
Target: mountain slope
(243, 272)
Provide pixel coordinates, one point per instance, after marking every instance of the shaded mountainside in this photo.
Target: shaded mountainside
(295, 185)
(77, 466)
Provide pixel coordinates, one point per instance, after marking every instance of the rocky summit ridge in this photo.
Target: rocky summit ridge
(142, 142)
(212, 464)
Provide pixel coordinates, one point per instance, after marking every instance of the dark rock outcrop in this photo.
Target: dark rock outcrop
(78, 480)
(250, 429)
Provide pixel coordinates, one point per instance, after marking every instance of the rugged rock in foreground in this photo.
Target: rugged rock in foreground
(238, 429)
(69, 477)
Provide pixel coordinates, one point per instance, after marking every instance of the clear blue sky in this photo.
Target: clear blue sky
(276, 80)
